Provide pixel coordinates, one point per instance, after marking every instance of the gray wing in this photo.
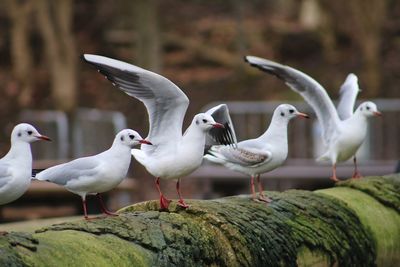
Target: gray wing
(223, 136)
(166, 104)
(312, 92)
(63, 173)
(245, 157)
(348, 95)
(5, 174)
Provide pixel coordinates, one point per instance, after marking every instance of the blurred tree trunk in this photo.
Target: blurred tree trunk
(148, 43)
(368, 17)
(21, 53)
(240, 40)
(55, 24)
(313, 17)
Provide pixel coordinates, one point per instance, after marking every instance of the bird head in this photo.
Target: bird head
(369, 109)
(288, 112)
(206, 122)
(27, 133)
(130, 138)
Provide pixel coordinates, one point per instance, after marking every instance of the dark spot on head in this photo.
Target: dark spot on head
(291, 110)
(197, 122)
(205, 121)
(19, 134)
(361, 108)
(122, 138)
(282, 114)
(131, 136)
(30, 132)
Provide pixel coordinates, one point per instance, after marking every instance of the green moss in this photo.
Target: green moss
(308, 258)
(382, 222)
(8, 255)
(73, 248)
(384, 188)
(330, 227)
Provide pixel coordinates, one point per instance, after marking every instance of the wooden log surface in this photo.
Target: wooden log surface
(356, 223)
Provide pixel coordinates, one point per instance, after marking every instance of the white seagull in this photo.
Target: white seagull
(96, 174)
(263, 154)
(16, 165)
(172, 155)
(343, 130)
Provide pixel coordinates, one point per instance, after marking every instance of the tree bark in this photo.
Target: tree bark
(356, 223)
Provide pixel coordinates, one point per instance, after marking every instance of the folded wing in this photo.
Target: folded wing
(244, 157)
(64, 173)
(5, 174)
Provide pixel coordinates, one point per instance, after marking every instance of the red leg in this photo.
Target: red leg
(253, 191)
(84, 208)
(103, 207)
(356, 174)
(164, 202)
(262, 197)
(181, 202)
(334, 178)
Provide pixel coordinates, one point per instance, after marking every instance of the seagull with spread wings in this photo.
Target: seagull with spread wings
(172, 155)
(343, 130)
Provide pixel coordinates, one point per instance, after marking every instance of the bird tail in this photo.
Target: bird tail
(36, 171)
(211, 154)
(324, 157)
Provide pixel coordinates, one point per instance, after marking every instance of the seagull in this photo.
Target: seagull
(172, 155)
(263, 154)
(16, 165)
(96, 174)
(343, 130)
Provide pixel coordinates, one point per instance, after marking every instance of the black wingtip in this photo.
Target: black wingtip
(36, 171)
(245, 59)
(82, 57)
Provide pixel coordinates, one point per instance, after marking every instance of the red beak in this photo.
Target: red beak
(218, 125)
(143, 141)
(302, 115)
(377, 113)
(43, 137)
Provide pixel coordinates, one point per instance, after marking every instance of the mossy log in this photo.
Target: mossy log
(356, 223)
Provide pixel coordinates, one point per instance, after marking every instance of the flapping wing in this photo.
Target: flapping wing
(166, 104)
(63, 173)
(348, 95)
(312, 92)
(245, 157)
(5, 174)
(222, 136)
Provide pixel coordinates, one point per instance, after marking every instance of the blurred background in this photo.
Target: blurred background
(199, 45)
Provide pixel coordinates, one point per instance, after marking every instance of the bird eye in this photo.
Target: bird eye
(368, 108)
(291, 110)
(30, 132)
(205, 121)
(131, 136)
(282, 114)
